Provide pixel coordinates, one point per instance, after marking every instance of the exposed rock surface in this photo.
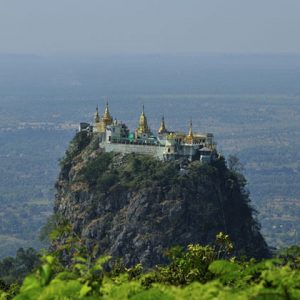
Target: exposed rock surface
(134, 207)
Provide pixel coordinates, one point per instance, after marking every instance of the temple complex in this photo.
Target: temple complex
(115, 136)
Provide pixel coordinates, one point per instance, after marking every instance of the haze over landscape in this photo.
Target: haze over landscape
(233, 67)
(250, 103)
(140, 26)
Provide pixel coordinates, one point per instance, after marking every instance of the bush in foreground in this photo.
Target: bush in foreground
(199, 272)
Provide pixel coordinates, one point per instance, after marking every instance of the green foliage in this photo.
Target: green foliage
(104, 171)
(54, 227)
(234, 164)
(191, 265)
(14, 269)
(94, 171)
(80, 141)
(199, 272)
(142, 169)
(81, 280)
(291, 255)
(104, 183)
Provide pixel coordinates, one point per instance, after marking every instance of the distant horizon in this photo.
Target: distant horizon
(149, 27)
(149, 54)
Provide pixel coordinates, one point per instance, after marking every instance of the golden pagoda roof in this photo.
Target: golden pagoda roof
(106, 116)
(162, 128)
(143, 124)
(97, 117)
(190, 135)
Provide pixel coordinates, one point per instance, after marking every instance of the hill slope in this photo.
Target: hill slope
(134, 207)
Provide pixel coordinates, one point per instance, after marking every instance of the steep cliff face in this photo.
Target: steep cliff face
(134, 207)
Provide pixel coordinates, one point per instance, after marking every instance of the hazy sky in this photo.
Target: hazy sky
(149, 26)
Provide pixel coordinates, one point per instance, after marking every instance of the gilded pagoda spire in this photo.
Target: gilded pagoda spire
(106, 116)
(101, 123)
(143, 124)
(162, 128)
(191, 130)
(190, 137)
(97, 117)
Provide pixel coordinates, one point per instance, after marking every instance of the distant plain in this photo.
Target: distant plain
(250, 102)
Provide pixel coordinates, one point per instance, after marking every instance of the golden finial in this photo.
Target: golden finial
(191, 129)
(106, 116)
(190, 137)
(97, 117)
(162, 128)
(143, 124)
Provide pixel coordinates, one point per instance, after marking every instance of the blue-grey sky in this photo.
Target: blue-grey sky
(149, 26)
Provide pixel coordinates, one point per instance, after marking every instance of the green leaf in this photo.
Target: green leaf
(80, 259)
(98, 266)
(221, 267)
(45, 272)
(49, 259)
(30, 282)
(80, 267)
(84, 290)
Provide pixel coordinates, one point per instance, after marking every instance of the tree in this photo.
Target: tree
(234, 164)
